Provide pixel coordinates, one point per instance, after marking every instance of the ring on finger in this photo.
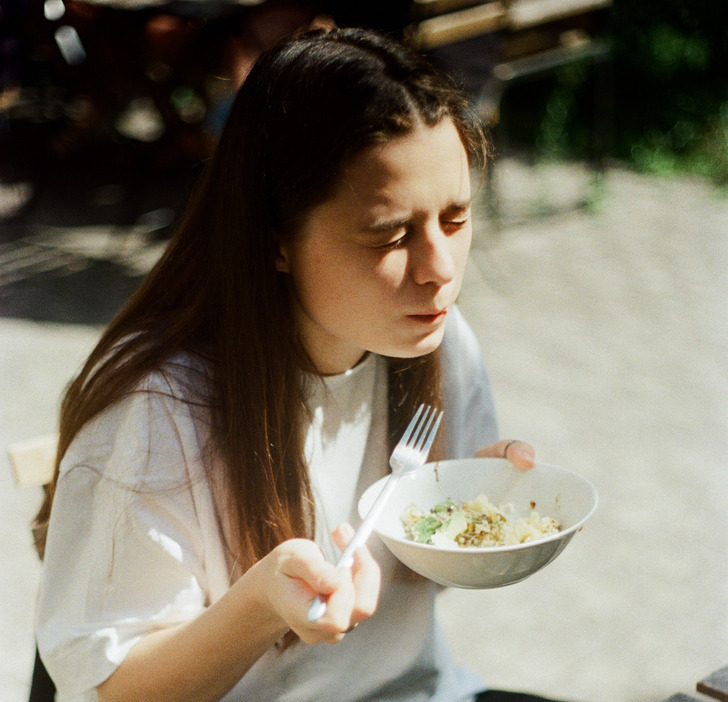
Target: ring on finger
(508, 445)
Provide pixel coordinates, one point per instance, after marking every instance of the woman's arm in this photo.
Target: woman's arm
(204, 658)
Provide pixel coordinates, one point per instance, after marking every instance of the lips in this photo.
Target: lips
(430, 317)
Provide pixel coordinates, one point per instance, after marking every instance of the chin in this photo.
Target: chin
(421, 348)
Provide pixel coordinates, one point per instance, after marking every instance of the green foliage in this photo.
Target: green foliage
(556, 134)
(669, 67)
(671, 91)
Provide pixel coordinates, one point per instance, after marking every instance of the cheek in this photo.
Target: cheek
(391, 270)
(314, 268)
(329, 283)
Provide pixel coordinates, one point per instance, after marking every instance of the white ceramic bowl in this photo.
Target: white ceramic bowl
(557, 492)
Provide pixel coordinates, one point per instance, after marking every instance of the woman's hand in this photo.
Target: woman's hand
(204, 658)
(519, 453)
(297, 571)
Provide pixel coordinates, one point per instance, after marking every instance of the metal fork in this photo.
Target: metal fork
(408, 456)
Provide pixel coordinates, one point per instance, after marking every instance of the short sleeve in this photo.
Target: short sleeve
(125, 555)
(470, 417)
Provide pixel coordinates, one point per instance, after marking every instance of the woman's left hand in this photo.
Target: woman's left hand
(519, 453)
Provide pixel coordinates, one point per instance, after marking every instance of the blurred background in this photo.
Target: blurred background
(597, 285)
(149, 81)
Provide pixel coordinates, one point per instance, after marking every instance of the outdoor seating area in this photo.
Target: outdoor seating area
(568, 308)
(160, 76)
(597, 294)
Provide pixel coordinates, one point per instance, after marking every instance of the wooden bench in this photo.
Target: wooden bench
(715, 686)
(533, 36)
(519, 40)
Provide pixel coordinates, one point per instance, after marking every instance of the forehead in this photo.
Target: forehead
(432, 158)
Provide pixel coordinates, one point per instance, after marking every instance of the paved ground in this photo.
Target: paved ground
(605, 330)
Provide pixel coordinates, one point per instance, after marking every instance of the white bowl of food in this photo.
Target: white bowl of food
(479, 504)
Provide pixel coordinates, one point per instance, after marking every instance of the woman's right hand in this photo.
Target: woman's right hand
(204, 658)
(296, 571)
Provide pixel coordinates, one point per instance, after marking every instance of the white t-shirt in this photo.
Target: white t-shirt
(135, 543)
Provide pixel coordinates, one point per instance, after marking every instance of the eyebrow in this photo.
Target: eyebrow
(385, 225)
(459, 206)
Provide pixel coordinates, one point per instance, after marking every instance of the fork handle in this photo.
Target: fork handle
(346, 559)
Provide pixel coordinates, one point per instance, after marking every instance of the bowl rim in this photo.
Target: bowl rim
(561, 534)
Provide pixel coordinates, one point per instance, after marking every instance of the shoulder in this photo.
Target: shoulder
(157, 424)
(183, 377)
(460, 347)
(468, 402)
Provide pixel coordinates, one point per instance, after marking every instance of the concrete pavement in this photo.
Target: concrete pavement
(605, 331)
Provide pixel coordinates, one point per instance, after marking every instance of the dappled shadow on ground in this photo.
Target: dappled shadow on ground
(86, 231)
(96, 223)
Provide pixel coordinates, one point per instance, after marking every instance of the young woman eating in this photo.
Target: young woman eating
(214, 446)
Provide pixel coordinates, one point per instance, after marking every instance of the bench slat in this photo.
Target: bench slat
(715, 685)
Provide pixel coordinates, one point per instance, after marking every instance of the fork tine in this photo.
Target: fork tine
(431, 435)
(411, 425)
(423, 428)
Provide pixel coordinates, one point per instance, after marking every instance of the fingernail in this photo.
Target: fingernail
(526, 454)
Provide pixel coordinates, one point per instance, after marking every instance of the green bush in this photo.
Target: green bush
(671, 86)
(669, 76)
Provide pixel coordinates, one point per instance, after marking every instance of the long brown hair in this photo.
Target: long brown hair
(308, 105)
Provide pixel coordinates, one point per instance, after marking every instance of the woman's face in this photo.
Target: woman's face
(377, 266)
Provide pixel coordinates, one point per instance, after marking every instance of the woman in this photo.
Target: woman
(235, 409)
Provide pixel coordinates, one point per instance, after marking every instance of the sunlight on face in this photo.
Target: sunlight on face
(377, 265)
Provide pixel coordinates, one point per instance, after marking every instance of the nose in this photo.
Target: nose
(433, 258)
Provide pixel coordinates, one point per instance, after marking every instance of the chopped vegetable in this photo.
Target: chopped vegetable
(475, 522)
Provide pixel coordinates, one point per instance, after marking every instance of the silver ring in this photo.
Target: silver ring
(508, 445)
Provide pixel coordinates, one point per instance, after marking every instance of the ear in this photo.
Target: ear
(282, 259)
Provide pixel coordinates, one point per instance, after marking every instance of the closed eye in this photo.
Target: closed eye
(389, 235)
(453, 225)
(395, 243)
(456, 215)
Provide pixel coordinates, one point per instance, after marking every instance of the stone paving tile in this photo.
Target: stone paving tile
(36, 362)
(606, 336)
